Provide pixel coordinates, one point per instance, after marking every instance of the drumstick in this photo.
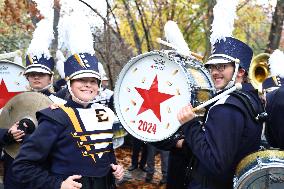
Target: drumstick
(237, 86)
(159, 40)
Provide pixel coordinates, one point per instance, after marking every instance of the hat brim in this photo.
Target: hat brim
(39, 70)
(217, 61)
(83, 75)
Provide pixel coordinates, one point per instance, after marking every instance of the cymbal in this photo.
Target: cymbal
(24, 105)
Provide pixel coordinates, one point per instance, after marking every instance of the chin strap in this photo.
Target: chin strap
(43, 89)
(232, 82)
(49, 86)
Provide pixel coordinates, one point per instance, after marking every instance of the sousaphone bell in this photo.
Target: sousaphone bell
(22, 106)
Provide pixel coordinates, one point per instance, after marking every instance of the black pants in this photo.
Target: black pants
(106, 182)
(138, 146)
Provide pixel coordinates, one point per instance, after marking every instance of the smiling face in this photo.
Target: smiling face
(221, 74)
(38, 80)
(85, 89)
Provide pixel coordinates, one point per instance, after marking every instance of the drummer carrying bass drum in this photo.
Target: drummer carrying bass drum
(229, 130)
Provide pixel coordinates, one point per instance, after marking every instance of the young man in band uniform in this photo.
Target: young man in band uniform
(229, 130)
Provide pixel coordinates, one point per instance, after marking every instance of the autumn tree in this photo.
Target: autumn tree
(276, 27)
(15, 25)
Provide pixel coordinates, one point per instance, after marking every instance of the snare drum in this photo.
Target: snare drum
(262, 169)
(153, 87)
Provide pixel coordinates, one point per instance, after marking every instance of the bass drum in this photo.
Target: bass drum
(12, 81)
(153, 87)
(262, 169)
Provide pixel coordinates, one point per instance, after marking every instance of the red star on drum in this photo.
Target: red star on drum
(5, 95)
(12, 81)
(152, 98)
(150, 91)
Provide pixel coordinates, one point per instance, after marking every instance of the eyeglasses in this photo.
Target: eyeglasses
(218, 67)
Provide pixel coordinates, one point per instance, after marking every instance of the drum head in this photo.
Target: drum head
(149, 92)
(12, 81)
(263, 169)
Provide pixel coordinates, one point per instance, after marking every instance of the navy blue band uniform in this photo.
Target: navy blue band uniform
(274, 129)
(88, 129)
(228, 134)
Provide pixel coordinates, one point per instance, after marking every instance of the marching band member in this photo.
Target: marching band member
(105, 95)
(39, 73)
(76, 138)
(274, 92)
(72, 145)
(229, 130)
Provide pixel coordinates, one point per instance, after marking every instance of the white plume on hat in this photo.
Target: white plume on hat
(74, 33)
(101, 69)
(224, 16)
(60, 63)
(94, 20)
(276, 63)
(43, 34)
(77, 22)
(45, 7)
(175, 37)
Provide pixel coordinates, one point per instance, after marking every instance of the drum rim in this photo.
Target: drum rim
(11, 62)
(242, 180)
(252, 157)
(117, 88)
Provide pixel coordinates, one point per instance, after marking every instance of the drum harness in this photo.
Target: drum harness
(206, 181)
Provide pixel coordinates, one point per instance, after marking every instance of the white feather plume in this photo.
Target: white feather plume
(224, 16)
(74, 32)
(42, 38)
(45, 8)
(43, 34)
(175, 37)
(95, 21)
(101, 69)
(276, 63)
(60, 63)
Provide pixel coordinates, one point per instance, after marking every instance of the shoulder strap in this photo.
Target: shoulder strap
(246, 100)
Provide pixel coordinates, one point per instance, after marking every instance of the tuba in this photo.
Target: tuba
(259, 70)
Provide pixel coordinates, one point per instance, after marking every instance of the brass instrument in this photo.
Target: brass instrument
(259, 70)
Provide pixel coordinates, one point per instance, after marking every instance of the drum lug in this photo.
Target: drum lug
(259, 162)
(235, 181)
